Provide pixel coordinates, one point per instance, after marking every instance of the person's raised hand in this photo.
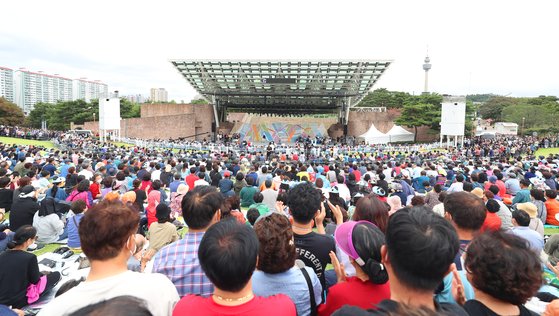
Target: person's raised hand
(337, 212)
(457, 287)
(338, 268)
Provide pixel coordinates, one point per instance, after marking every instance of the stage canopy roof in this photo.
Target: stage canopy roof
(282, 86)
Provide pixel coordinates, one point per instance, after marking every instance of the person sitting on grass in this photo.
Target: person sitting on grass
(78, 208)
(108, 239)
(162, 232)
(21, 281)
(228, 254)
(247, 193)
(261, 207)
(252, 215)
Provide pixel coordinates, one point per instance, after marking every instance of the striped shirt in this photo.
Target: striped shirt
(179, 262)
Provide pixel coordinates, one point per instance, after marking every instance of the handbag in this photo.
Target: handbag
(311, 290)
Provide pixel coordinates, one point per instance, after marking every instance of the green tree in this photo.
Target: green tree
(39, 113)
(199, 101)
(493, 108)
(10, 113)
(416, 115)
(384, 98)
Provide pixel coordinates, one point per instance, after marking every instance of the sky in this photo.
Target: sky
(502, 47)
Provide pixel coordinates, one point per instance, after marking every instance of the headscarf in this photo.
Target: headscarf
(154, 198)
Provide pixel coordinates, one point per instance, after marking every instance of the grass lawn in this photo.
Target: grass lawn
(546, 151)
(20, 141)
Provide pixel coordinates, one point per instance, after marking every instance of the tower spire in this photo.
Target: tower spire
(427, 67)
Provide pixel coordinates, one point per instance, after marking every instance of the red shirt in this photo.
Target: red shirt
(190, 179)
(552, 206)
(276, 305)
(95, 189)
(354, 292)
(492, 222)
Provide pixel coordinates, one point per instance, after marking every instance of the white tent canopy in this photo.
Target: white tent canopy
(374, 136)
(399, 134)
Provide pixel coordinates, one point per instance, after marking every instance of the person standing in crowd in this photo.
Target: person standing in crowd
(201, 208)
(504, 272)
(276, 269)
(228, 254)
(107, 234)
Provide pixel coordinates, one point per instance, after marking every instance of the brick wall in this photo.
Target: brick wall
(165, 121)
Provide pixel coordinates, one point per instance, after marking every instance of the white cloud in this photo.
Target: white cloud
(475, 46)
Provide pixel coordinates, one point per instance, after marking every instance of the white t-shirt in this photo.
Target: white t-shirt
(86, 173)
(155, 289)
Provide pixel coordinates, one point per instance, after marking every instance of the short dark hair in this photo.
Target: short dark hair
(538, 195)
(258, 197)
(78, 206)
(522, 218)
(124, 305)
(277, 251)
(467, 186)
(494, 189)
(459, 178)
(466, 209)
(552, 194)
(199, 206)
(492, 206)
(252, 215)
(303, 201)
(503, 266)
(156, 185)
(4, 181)
(412, 237)
(228, 253)
(525, 182)
(106, 228)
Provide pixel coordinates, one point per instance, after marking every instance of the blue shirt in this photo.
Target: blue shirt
(291, 283)
(179, 262)
(532, 236)
(173, 186)
(73, 234)
(64, 170)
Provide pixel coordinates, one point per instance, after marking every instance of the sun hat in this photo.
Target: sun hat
(345, 238)
(478, 192)
(529, 208)
(58, 179)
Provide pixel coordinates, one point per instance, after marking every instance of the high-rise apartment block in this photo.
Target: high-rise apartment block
(86, 90)
(7, 83)
(26, 88)
(136, 98)
(158, 95)
(34, 87)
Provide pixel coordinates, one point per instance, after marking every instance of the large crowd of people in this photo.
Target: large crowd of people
(313, 228)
